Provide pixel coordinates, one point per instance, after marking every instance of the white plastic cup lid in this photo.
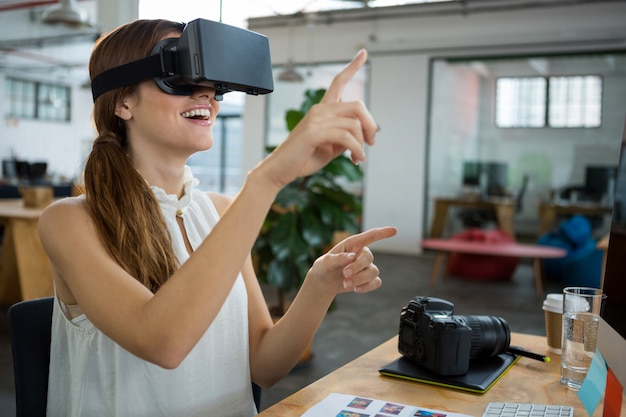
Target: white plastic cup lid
(553, 303)
(577, 303)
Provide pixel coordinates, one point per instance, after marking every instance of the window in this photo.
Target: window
(575, 101)
(521, 102)
(37, 100)
(565, 101)
(219, 168)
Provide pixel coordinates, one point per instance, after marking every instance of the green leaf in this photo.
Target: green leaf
(314, 231)
(292, 118)
(283, 274)
(342, 166)
(291, 196)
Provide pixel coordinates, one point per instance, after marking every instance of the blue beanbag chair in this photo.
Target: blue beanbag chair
(582, 266)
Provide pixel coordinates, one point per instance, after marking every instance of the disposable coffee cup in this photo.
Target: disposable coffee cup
(553, 311)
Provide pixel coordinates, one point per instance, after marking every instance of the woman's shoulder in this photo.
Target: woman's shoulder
(220, 201)
(68, 207)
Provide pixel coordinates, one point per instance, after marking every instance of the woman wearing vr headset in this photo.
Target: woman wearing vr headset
(157, 307)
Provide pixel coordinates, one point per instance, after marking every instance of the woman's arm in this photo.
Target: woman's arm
(347, 267)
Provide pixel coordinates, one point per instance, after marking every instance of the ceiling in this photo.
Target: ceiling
(62, 56)
(32, 49)
(16, 4)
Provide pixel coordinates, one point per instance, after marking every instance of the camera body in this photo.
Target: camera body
(432, 337)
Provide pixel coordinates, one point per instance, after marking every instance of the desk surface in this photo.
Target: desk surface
(528, 381)
(14, 208)
(477, 202)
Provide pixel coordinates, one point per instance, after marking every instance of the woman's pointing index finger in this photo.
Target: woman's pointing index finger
(335, 90)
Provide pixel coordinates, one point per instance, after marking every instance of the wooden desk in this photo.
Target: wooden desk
(503, 207)
(25, 271)
(528, 381)
(517, 250)
(549, 211)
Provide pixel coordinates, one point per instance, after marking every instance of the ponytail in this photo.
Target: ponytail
(125, 211)
(127, 215)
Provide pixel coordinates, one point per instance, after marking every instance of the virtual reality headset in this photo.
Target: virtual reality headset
(207, 53)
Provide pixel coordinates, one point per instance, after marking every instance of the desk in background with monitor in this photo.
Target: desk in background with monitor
(504, 209)
(549, 212)
(490, 178)
(600, 182)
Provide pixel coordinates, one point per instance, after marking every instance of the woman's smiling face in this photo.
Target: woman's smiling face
(180, 125)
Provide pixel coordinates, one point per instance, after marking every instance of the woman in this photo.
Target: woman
(157, 307)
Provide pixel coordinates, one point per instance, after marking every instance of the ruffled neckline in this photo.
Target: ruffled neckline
(170, 204)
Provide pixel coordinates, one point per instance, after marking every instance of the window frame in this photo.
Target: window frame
(33, 102)
(547, 122)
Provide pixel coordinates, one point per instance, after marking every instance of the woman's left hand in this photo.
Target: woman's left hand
(349, 265)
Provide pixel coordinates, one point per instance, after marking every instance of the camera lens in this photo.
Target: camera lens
(490, 335)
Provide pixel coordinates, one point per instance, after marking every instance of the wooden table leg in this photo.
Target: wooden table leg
(547, 215)
(538, 270)
(439, 261)
(504, 214)
(439, 219)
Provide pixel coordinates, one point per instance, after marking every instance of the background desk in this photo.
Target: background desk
(503, 207)
(25, 271)
(528, 381)
(549, 211)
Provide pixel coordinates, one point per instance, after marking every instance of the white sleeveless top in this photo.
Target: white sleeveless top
(90, 375)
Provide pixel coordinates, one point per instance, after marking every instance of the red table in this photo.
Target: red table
(536, 252)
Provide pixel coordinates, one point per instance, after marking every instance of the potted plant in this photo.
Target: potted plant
(306, 217)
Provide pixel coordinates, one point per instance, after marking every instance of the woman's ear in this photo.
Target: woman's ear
(123, 108)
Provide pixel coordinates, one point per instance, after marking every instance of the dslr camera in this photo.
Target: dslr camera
(435, 339)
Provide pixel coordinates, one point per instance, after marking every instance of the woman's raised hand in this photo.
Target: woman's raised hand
(349, 265)
(326, 131)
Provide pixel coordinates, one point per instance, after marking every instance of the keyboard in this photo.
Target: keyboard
(527, 410)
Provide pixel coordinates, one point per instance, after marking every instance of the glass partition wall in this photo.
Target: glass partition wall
(544, 118)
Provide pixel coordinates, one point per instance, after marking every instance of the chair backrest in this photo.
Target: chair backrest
(30, 327)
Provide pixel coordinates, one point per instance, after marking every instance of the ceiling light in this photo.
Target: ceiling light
(290, 74)
(66, 12)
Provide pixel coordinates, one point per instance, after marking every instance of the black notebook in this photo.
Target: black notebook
(481, 376)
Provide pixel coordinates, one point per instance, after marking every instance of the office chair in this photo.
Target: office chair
(29, 326)
(30, 329)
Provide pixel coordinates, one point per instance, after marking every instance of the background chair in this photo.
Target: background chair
(30, 325)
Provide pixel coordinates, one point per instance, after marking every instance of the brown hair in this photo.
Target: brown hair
(124, 209)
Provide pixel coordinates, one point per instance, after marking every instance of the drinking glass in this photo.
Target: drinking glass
(581, 316)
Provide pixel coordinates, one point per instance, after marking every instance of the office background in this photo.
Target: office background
(429, 85)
